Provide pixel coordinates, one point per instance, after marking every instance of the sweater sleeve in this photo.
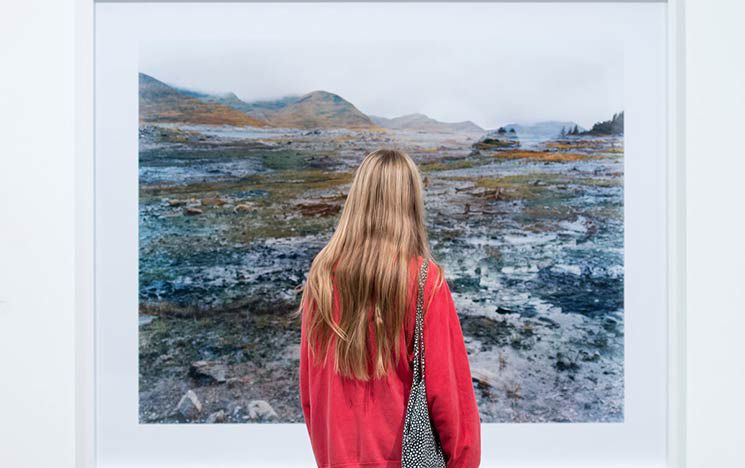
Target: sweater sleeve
(304, 382)
(450, 394)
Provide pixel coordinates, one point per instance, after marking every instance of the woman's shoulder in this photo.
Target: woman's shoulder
(435, 275)
(419, 259)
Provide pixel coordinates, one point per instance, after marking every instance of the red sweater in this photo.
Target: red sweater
(352, 423)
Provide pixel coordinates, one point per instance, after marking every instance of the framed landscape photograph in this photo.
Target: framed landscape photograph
(226, 138)
(239, 191)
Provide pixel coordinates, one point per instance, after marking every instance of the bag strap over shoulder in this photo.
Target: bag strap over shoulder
(420, 447)
(419, 327)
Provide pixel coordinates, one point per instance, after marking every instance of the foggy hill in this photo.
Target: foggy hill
(261, 110)
(320, 109)
(424, 123)
(160, 102)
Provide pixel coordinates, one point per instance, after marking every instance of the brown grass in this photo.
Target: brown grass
(193, 111)
(543, 155)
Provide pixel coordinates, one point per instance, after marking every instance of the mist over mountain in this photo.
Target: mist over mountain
(160, 102)
(318, 109)
(422, 122)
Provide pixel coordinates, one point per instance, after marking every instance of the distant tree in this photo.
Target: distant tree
(614, 126)
(563, 132)
(617, 124)
(501, 130)
(575, 130)
(512, 130)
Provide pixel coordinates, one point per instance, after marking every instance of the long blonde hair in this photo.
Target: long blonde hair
(367, 259)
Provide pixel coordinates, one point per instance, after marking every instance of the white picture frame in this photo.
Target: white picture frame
(86, 237)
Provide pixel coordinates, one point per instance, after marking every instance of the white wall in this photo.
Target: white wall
(716, 249)
(37, 229)
(37, 234)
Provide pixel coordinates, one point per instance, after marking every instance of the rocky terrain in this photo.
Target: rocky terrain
(530, 234)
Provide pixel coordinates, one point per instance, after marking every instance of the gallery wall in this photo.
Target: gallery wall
(37, 234)
(37, 263)
(716, 296)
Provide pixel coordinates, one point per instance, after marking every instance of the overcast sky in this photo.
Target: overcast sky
(512, 77)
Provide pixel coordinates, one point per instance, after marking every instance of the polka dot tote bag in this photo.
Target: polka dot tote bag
(421, 447)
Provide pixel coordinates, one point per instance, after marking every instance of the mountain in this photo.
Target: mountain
(546, 129)
(265, 109)
(160, 102)
(261, 110)
(423, 123)
(319, 109)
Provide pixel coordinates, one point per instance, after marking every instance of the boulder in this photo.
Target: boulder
(209, 371)
(260, 409)
(242, 208)
(213, 201)
(189, 406)
(191, 211)
(216, 418)
(563, 363)
(483, 377)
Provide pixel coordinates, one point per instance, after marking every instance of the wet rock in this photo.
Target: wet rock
(146, 319)
(489, 332)
(260, 409)
(517, 342)
(565, 364)
(209, 371)
(483, 377)
(216, 418)
(549, 322)
(504, 310)
(580, 292)
(527, 330)
(318, 209)
(600, 341)
(177, 202)
(610, 324)
(213, 201)
(594, 357)
(465, 284)
(191, 211)
(242, 208)
(189, 406)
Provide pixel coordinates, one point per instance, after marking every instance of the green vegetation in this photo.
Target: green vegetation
(614, 126)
